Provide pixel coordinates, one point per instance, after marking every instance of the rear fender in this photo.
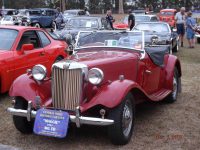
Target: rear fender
(26, 87)
(111, 95)
(173, 62)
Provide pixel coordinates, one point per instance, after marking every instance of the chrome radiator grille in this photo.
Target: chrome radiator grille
(66, 88)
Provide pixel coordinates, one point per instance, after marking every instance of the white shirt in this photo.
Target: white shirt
(180, 19)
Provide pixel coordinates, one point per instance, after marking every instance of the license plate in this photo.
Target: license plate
(52, 123)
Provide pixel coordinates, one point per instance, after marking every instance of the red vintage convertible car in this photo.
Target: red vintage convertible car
(168, 15)
(23, 47)
(100, 84)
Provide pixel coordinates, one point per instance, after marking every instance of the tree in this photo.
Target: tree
(121, 8)
(94, 6)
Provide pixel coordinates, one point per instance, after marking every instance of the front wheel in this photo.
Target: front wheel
(21, 123)
(123, 115)
(198, 40)
(175, 48)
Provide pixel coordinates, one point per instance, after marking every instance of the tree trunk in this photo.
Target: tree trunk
(121, 8)
(63, 5)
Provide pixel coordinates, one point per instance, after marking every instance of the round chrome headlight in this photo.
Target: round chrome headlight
(39, 72)
(95, 76)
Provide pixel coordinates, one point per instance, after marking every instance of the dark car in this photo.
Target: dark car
(158, 33)
(39, 17)
(138, 18)
(76, 24)
(73, 12)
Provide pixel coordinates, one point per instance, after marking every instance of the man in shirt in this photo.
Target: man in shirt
(131, 20)
(180, 24)
(110, 18)
(58, 18)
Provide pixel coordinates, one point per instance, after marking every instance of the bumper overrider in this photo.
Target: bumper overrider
(77, 118)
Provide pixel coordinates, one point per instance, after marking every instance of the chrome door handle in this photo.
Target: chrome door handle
(148, 71)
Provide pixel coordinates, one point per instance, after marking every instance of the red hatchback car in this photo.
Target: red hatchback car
(168, 15)
(100, 84)
(23, 47)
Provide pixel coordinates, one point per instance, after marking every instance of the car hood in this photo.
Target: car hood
(5, 55)
(113, 62)
(96, 56)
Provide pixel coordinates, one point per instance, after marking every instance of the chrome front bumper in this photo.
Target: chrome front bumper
(77, 119)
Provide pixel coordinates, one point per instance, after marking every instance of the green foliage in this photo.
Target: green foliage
(23, 3)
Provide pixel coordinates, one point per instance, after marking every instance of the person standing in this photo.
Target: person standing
(131, 20)
(180, 19)
(58, 18)
(86, 11)
(110, 18)
(190, 29)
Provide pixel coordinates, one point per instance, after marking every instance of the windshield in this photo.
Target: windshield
(53, 35)
(167, 13)
(152, 27)
(82, 23)
(34, 13)
(7, 37)
(123, 39)
(22, 13)
(7, 18)
(70, 13)
(142, 18)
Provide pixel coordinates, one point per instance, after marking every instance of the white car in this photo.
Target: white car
(8, 20)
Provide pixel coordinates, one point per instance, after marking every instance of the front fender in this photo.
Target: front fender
(111, 95)
(26, 87)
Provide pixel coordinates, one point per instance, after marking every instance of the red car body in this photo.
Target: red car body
(14, 62)
(168, 15)
(154, 87)
(125, 72)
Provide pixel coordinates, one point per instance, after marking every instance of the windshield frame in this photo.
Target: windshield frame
(111, 31)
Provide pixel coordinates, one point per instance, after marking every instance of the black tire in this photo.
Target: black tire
(173, 96)
(54, 26)
(175, 49)
(37, 25)
(198, 40)
(116, 132)
(21, 123)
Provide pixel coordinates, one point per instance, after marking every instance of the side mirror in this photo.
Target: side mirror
(27, 47)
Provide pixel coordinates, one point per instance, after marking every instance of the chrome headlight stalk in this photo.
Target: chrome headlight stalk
(39, 72)
(95, 76)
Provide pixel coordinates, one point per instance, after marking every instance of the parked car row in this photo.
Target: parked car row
(38, 17)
